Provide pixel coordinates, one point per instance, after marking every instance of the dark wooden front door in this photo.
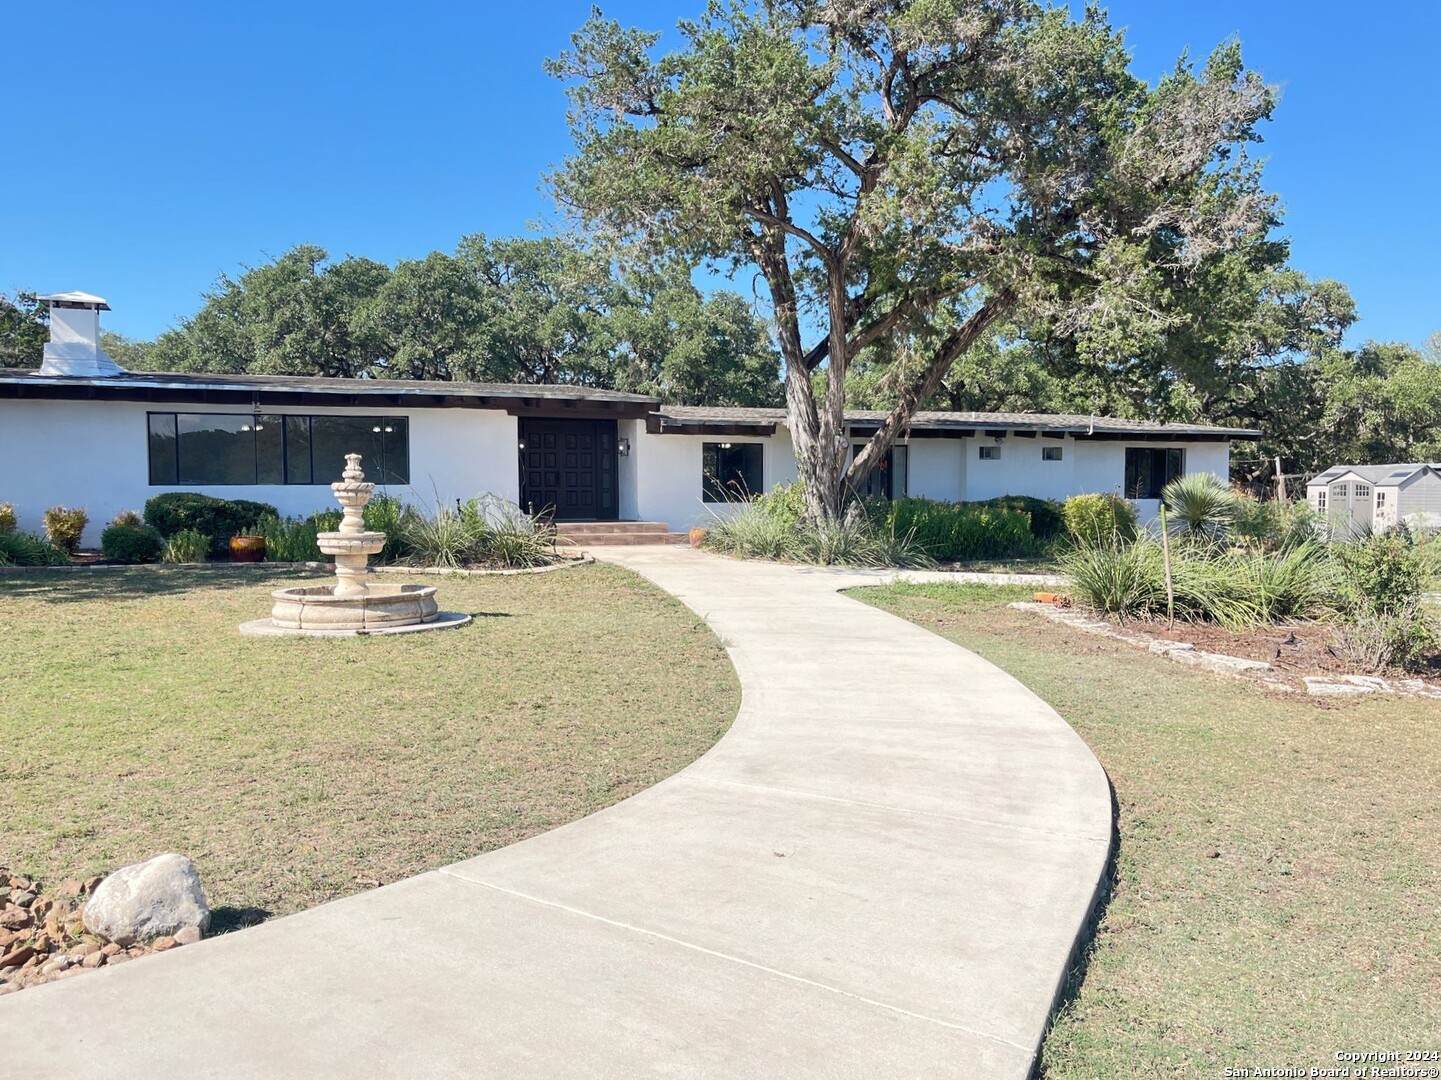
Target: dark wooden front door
(568, 469)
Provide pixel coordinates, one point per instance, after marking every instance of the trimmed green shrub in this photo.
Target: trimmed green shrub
(1047, 517)
(1382, 580)
(7, 518)
(784, 503)
(132, 542)
(64, 526)
(1099, 519)
(1270, 525)
(219, 519)
(186, 546)
(27, 549)
(955, 532)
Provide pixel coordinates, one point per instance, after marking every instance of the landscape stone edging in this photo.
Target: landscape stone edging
(1180, 651)
(566, 561)
(1235, 666)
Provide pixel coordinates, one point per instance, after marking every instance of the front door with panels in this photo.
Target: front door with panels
(568, 469)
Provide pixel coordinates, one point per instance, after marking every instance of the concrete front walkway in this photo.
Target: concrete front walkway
(880, 871)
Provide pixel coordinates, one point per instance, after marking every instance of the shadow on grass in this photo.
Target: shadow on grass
(1085, 947)
(137, 582)
(224, 920)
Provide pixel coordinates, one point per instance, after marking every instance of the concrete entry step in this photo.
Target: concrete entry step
(611, 533)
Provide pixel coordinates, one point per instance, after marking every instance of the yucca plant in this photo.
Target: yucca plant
(1118, 578)
(26, 549)
(1200, 506)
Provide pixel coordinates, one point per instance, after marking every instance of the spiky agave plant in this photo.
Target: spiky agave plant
(1201, 506)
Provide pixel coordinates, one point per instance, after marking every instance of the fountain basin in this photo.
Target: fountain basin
(381, 607)
(340, 543)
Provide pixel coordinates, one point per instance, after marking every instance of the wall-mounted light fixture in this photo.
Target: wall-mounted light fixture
(522, 444)
(725, 446)
(622, 446)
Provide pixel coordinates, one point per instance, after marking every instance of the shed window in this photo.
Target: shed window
(990, 453)
(231, 449)
(1050, 453)
(1363, 491)
(1342, 490)
(731, 471)
(1150, 469)
(1321, 501)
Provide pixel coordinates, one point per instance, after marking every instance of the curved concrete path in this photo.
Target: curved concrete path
(880, 871)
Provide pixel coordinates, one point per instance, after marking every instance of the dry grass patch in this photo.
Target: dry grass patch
(137, 720)
(1279, 863)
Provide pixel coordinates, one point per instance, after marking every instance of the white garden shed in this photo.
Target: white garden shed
(1358, 497)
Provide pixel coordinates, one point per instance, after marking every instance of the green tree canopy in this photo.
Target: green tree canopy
(921, 169)
(24, 328)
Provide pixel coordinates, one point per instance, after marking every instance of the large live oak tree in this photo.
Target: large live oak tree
(917, 171)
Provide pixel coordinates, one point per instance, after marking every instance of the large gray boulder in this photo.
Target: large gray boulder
(148, 900)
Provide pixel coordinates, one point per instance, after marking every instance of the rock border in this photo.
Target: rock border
(1234, 666)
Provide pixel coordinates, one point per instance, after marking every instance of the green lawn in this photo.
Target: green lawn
(136, 720)
(1278, 892)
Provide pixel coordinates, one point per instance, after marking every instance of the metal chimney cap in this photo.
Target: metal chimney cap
(75, 299)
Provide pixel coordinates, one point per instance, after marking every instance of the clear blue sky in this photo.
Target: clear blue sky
(153, 145)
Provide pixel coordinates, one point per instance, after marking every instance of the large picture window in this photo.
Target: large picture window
(1149, 470)
(731, 471)
(222, 449)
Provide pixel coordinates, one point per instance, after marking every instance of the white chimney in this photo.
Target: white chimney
(74, 345)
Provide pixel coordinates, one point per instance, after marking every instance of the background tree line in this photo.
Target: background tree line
(511, 310)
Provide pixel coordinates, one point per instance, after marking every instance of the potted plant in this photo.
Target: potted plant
(247, 547)
(698, 537)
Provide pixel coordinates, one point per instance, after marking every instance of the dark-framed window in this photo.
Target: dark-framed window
(887, 479)
(1150, 469)
(732, 471)
(1051, 453)
(231, 449)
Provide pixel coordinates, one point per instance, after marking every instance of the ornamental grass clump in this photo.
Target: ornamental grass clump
(775, 527)
(27, 549)
(1235, 588)
(289, 539)
(484, 531)
(7, 518)
(187, 546)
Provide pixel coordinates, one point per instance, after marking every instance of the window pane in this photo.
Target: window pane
(216, 449)
(395, 442)
(269, 443)
(297, 449)
(332, 437)
(1175, 466)
(163, 466)
(731, 471)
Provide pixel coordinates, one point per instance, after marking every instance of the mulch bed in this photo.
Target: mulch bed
(1299, 649)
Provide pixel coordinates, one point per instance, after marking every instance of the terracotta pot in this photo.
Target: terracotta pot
(247, 549)
(697, 537)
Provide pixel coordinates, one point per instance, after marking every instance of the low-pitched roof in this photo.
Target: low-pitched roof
(681, 416)
(1376, 475)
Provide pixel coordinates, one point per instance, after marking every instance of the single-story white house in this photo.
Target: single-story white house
(1377, 496)
(80, 431)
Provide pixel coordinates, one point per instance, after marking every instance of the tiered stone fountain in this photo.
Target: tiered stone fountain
(353, 605)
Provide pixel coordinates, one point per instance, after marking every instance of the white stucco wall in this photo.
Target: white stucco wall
(667, 475)
(937, 469)
(95, 454)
